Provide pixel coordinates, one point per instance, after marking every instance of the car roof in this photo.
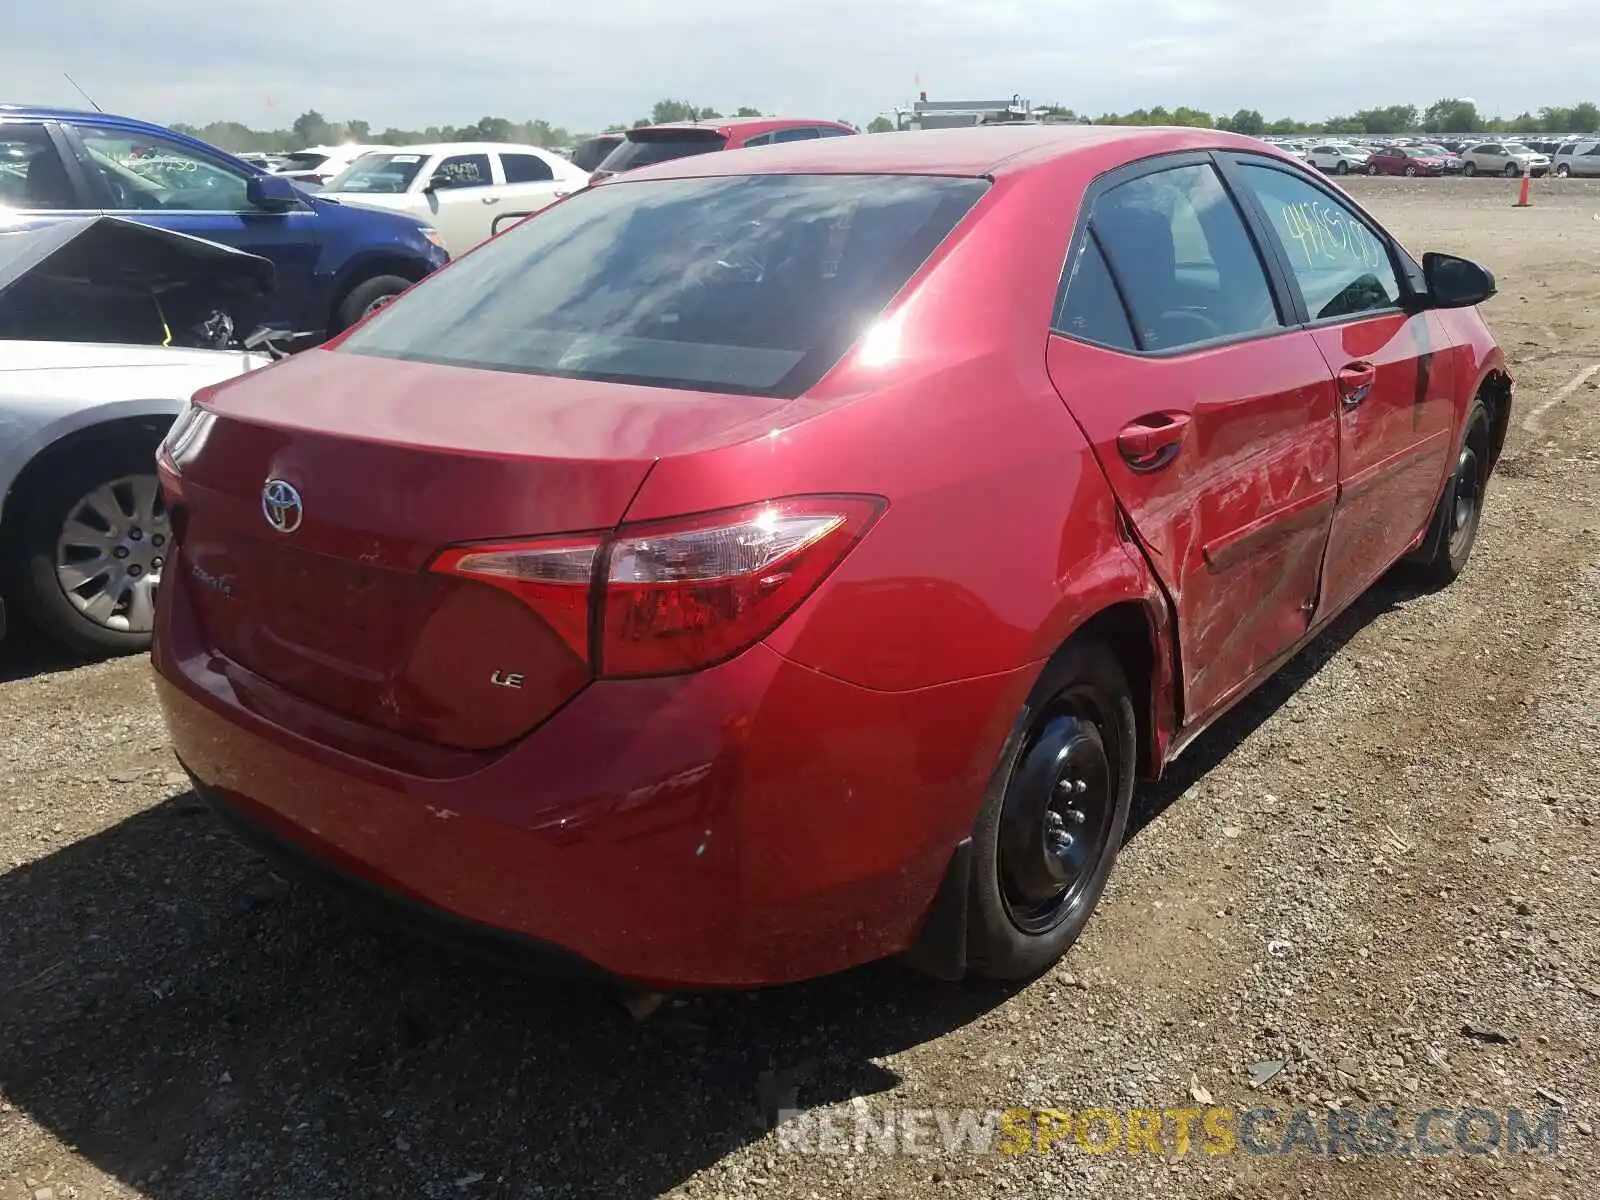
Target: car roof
(978, 151)
(459, 148)
(744, 124)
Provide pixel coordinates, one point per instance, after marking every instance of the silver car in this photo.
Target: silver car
(1503, 158)
(1580, 159)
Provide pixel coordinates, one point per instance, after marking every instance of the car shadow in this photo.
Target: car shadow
(25, 652)
(1217, 742)
(196, 1026)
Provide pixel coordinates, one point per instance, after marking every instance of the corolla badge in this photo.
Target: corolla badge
(281, 505)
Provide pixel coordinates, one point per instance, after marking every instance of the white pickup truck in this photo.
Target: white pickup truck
(457, 187)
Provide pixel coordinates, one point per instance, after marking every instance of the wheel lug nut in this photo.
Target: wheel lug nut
(156, 561)
(120, 552)
(1064, 785)
(135, 534)
(136, 570)
(1076, 817)
(1080, 786)
(158, 540)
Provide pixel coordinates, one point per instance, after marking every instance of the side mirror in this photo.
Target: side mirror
(271, 192)
(1456, 282)
(438, 182)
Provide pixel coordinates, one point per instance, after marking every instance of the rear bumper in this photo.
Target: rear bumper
(752, 824)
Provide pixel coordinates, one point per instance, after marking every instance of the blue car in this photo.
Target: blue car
(335, 262)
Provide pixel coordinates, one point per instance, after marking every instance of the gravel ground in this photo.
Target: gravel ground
(1377, 879)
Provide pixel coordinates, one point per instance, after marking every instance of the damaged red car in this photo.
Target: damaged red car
(771, 562)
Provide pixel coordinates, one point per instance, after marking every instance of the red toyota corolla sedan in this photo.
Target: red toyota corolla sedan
(771, 562)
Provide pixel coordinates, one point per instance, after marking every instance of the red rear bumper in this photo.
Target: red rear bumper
(754, 823)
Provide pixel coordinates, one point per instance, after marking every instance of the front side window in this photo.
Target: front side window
(32, 175)
(1341, 266)
(1180, 251)
(377, 172)
(147, 171)
(462, 171)
(749, 284)
(526, 168)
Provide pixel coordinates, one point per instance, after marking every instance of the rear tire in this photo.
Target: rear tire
(1054, 817)
(44, 551)
(368, 296)
(1454, 528)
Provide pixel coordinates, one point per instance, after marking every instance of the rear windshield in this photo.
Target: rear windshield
(754, 284)
(304, 160)
(390, 173)
(641, 148)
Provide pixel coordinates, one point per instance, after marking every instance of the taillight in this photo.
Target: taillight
(666, 597)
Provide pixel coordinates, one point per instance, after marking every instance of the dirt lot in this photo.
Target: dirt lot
(1393, 842)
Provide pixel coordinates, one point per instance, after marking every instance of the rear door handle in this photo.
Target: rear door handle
(1355, 382)
(1152, 441)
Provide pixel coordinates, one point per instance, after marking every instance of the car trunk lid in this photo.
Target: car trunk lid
(388, 463)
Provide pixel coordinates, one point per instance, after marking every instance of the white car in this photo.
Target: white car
(316, 165)
(81, 518)
(457, 187)
(83, 527)
(1503, 158)
(1580, 157)
(1337, 158)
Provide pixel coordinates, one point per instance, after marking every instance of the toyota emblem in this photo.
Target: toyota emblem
(280, 503)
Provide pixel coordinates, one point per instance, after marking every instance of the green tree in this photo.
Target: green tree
(1194, 117)
(1526, 122)
(1248, 120)
(746, 111)
(1394, 118)
(1585, 118)
(880, 125)
(359, 131)
(671, 110)
(312, 129)
(1450, 116)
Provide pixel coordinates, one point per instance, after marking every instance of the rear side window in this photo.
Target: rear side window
(644, 147)
(1185, 262)
(1341, 266)
(526, 168)
(1090, 307)
(748, 284)
(806, 133)
(463, 171)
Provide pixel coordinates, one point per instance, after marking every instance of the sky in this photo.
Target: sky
(414, 63)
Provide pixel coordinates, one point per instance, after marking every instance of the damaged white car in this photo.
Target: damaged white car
(83, 404)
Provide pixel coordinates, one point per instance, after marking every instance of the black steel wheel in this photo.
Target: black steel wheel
(1454, 529)
(1054, 817)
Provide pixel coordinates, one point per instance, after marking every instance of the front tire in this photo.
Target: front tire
(1563, 171)
(366, 297)
(1512, 170)
(1454, 528)
(1411, 172)
(1054, 817)
(93, 538)
(1470, 169)
(1341, 168)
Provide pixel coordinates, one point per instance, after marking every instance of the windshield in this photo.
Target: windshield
(1432, 151)
(643, 147)
(391, 173)
(752, 284)
(1517, 148)
(304, 160)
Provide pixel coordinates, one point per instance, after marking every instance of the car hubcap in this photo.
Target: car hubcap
(110, 552)
(380, 302)
(1056, 819)
(1464, 512)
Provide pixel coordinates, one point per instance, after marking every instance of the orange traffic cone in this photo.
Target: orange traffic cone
(1522, 200)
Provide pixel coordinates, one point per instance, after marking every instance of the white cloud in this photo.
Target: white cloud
(417, 62)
